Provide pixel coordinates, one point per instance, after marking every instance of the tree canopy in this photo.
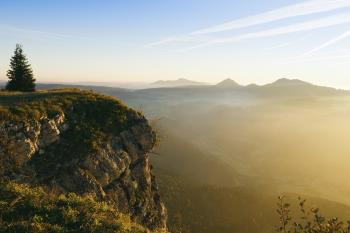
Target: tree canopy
(20, 74)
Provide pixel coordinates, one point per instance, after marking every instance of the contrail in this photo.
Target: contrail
(305, 8)
(300, 9)
(306, 26)
(329, 43)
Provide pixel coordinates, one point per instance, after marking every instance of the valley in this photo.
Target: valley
(265, 140)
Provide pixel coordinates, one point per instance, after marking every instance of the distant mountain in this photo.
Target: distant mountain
(296, 88)
(252, 85)
(283, 82)
(176, 83)
(228, 83)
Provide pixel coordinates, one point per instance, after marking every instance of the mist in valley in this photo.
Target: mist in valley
(234, 148)
(289, 146)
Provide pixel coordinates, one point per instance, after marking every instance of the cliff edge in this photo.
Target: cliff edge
(72, 141)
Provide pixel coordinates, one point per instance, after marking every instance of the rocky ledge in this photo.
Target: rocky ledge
(71, 151)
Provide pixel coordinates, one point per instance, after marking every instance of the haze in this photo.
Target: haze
(249, 100)
(227, 151)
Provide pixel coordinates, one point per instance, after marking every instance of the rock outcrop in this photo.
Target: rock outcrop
(115, 169)
(19, 141)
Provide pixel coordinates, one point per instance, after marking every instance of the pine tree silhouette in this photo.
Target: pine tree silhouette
(20, 74)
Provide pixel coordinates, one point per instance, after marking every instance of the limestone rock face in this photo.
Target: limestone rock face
(49, 133)
(20, 141)
(117, 170)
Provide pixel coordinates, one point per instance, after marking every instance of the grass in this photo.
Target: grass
(92, 118)
(21, 106)
(31, 209)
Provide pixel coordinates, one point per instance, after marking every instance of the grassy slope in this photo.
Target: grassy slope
(194, 207)
(178, 156)
(31, 209)
(19, 106)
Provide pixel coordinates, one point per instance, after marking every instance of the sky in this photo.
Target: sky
(122, 41)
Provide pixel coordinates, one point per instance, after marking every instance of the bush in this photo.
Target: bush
(311, 221)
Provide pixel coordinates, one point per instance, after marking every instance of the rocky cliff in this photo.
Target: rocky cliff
(84, 143)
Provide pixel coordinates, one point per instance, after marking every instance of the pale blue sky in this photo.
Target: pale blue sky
(205, 40)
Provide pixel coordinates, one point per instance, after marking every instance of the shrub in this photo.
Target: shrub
(311, 221)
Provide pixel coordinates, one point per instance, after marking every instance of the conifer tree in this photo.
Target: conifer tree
(20, 74)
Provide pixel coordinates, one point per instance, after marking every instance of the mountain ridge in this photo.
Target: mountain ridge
(228, 83)
(176, 83)
(185, 83)
(289, 82)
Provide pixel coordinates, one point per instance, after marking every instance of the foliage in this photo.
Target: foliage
(31, 209)
(311, 221)
(20, 73)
